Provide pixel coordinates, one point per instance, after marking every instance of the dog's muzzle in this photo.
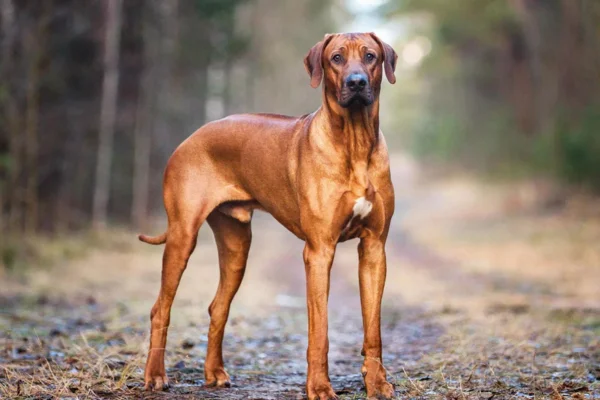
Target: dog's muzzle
(356, 91)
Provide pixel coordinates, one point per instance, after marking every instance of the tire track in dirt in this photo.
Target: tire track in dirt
(450, 272)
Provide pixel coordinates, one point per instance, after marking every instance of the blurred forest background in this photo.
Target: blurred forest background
(95, 95)
(508, 86)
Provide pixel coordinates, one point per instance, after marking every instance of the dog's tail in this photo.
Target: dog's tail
(161, 239)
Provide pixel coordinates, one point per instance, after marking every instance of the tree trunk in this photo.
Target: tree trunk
(572, 93)
(108, 112)
(228, 66)
(166, 57)
(13, 187)
(144, 123)
(7, 18)
(532, 115)
(253, 57)
(199, 105)
(31, 125)
(34, 47)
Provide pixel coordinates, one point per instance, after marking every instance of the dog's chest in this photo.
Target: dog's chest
(361, 209)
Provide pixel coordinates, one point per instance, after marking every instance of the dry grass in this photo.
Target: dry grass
(82, 370)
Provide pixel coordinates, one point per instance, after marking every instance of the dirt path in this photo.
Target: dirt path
(477, 305)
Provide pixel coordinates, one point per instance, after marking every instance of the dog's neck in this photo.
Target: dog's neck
(354, 131)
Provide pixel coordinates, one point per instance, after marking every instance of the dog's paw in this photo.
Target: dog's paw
(376, 384)
(320, 391)
(216, 377)
(381, 391)
(156, 382)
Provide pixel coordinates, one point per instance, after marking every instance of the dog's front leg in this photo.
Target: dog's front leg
(372, 271)
(318, 258)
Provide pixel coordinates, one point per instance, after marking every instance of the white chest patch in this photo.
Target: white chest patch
(362, 207)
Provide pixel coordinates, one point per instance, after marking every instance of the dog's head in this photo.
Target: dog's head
(350, 66)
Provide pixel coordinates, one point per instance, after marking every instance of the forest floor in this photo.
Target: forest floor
(493, 292)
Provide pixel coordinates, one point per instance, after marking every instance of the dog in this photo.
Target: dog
(324, 176)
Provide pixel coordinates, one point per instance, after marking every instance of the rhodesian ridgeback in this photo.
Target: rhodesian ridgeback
(325, 176)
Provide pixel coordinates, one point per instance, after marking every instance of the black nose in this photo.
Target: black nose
(356, 82)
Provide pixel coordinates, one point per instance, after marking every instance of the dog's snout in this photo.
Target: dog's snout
(356, 82)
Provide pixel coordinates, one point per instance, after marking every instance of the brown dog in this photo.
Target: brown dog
(324, 176)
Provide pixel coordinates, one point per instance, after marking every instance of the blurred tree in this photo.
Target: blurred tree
(11, 161)
(144, 119)
(34, 45)
(108, 111)
(159, 27)
(282, 34)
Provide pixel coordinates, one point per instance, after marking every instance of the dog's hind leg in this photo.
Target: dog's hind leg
(233, 239)
(185, 218)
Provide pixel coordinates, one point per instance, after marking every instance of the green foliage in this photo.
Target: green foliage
(461, 21)
(439, 137)
(216, 9)
(219, 19)
(3, 93)
(494, 147)
(5, 162)
(8, 257)
(498, 148)
(578, 149)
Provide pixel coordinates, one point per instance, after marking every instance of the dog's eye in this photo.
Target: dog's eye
(370, 56)
(336, 59)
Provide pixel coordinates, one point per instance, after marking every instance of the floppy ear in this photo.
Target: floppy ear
(313, 61)
(389, 58)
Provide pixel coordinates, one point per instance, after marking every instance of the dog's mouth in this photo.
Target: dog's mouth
(362, 98)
